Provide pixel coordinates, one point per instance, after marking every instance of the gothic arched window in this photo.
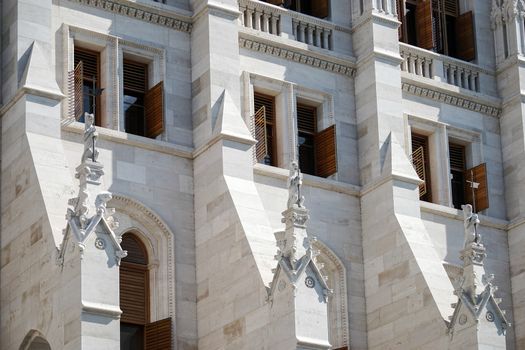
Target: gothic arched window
(134, 293)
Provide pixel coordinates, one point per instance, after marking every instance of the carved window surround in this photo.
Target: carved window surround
(286, 94)
(112, 50)
(439, 134)
(159, 241)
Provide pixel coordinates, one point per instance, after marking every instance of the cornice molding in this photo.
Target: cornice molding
(461, 100)
(290, 53)
(141, 12)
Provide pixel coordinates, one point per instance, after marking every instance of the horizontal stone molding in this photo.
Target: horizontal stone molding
(141, 12)
(105, 310)
(451, 98)
(288, 52)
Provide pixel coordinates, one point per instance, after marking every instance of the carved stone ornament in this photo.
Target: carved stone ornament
(79, 224)
(309, 282)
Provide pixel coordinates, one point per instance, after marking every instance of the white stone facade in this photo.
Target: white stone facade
(384, 266)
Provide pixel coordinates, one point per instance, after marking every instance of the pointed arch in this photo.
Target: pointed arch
(333, 269)
(158, 240)
(34, 340)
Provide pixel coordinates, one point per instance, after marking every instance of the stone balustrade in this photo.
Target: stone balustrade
(312, 33)
(446, 69)
(289, 24)
(260, 16)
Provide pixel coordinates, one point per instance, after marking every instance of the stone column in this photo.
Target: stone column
(512, 127)
(400, 262)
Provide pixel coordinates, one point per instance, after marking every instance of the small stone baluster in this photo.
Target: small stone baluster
(265, 23)
(317, 41)
(249, 18)
(257, 20)
(325, 40)
(273, 27)
(310, 35)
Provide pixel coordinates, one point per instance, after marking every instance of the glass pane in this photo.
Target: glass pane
(134, 114)
(131, 337)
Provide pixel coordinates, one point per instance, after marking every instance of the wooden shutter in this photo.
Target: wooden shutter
(325, 152)
(424, 24)
(306, 118)
(154, 110)
(400, 7)
(265, 149)
(261, 148)
(418, 161)
(457, 156)
(90, 63)
(481, 194)
(451, 7)
(320, 8)
(157, 335)
(465, 44)
(135, 76)
(77, 93)
(134, 293)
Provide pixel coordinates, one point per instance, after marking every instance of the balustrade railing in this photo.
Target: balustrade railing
(256, 16)
(443, 68)
(289, 24)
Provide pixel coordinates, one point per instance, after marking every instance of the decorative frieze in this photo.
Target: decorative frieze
(462, 102)
(296, 56)
(129, 9)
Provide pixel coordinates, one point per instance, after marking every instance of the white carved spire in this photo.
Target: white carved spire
(475, 290)
(84, 215)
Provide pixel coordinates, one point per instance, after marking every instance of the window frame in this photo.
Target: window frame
(286, 95)
(440, 134)
(112, 50)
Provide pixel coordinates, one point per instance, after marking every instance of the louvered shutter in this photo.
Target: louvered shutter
(325, 152)
(261, 148)
(77, 93)
(477, 174)
(320, 8)
(135, 76)
(133, 293)
(90, 63)
(400, 7)
(451, 8)
(465, 44)
(418, 161)
(154, 110)
(306, 118)
(424, 24)
(457, 156)
(157, 335)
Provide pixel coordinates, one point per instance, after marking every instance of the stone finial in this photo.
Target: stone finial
(295, 181)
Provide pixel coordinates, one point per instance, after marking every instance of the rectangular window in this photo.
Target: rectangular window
(264, 123)
(87, 88)
(315, 8)
(143, 108)
(317, 150)
(421, 163)
(437, 25)
(457, 172)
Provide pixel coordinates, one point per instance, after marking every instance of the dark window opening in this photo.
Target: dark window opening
(135, 87)
(315, 8)
(457, 170)
(87, 74)
(306, 127)
(437, 25)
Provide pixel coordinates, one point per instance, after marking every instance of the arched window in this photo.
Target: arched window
(136, 330)
(34, 340)
(134, 293)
